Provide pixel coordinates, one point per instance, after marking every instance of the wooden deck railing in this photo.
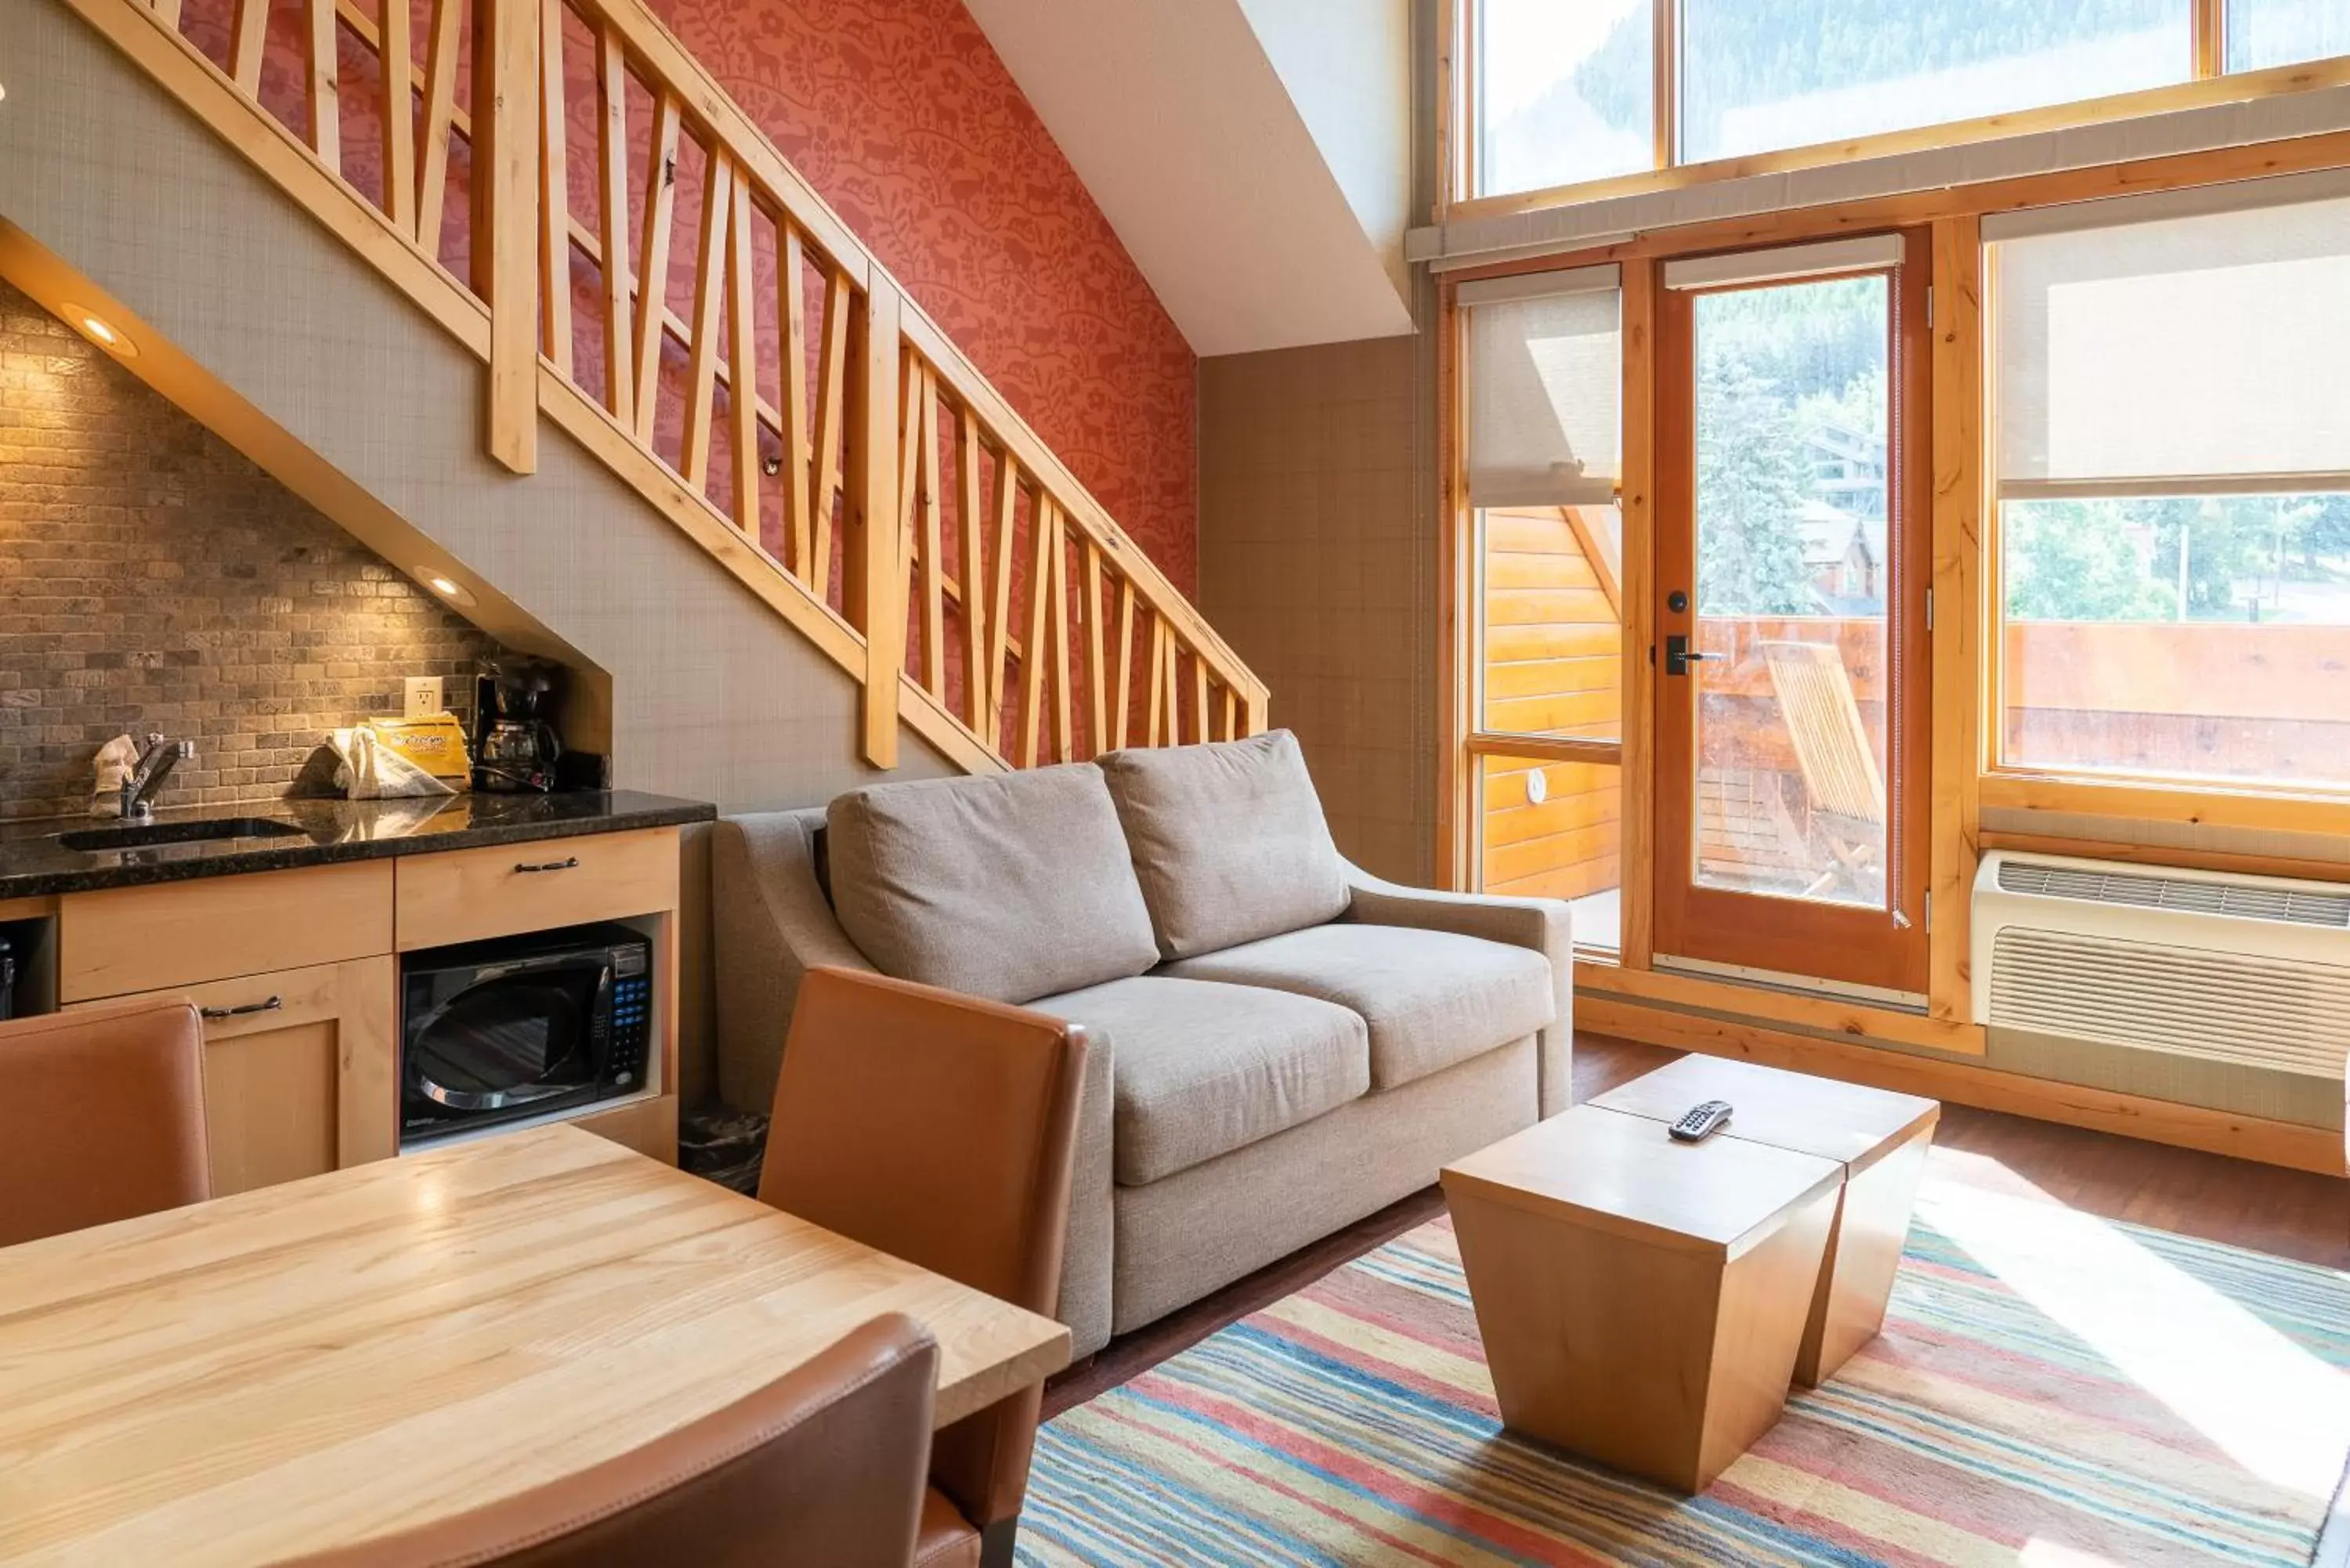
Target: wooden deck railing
(560, 184)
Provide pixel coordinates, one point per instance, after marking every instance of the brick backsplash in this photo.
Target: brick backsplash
(152, 577)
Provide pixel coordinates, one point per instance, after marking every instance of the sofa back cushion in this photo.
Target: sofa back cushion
(1229, 841)
(1008, 886)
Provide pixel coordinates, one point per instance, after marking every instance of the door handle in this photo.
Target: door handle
(549, 866)
(1678, 657)
(272, 1005)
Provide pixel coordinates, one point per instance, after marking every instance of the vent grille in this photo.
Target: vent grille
(2241, 901)
(2279, 1013)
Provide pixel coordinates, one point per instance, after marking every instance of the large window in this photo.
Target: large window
(2172, 463)
(1561, 92)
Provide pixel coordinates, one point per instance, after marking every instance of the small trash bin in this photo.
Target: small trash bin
(724, 1145)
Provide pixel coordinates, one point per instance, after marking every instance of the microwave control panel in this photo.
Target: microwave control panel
(632, 1016)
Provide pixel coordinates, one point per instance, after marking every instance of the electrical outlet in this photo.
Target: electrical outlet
(423, 697)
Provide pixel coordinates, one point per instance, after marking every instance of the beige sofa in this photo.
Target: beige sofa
(1282, 1044)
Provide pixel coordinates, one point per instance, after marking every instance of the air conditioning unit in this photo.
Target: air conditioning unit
(2249, 970)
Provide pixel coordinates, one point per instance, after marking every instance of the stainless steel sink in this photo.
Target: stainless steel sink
(148, 835)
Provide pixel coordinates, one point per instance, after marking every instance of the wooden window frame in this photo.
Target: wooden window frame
(2248, 804)
(2211, 83)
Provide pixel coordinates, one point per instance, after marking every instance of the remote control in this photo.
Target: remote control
(1700, 1121)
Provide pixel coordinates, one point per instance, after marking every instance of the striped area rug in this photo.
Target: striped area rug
(2051, 1389)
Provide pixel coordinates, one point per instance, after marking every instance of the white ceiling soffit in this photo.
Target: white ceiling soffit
(1255, 156)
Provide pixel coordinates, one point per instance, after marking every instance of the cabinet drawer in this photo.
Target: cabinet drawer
(468, 894)
(128, 939)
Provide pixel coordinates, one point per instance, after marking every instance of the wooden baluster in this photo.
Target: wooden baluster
(1124, 696)
(1199, 697)
(506, 181)
(248, 42)
(553, 191)
(1151, 732)
(167, 12)
(612, 228)
(319, 88)
(934, 619)
(831, 404)
(999, 614)
(1097, 660)
(709, 298)
(1231, 714)
(975, 682)
(439, 118)
(1064, 740)
(1174, 707)
(877, 579)
(791, 311)
(397, 64)
(742, 363)
(1046, 529)
(652, 258)
(909, 449)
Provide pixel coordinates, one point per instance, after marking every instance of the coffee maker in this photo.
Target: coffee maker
(515, 748)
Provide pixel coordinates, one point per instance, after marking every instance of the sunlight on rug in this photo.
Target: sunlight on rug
(2051, 1389)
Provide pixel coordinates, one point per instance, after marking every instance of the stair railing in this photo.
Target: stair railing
(563, 187)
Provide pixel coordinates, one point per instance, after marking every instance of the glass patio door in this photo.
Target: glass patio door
(1792, 513)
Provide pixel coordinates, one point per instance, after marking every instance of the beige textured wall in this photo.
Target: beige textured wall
(713, 696)
(1317, 565)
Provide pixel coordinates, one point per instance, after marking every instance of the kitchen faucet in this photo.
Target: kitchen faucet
(155, 764)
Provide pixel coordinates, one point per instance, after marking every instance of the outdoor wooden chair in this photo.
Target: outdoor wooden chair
(1839, 766)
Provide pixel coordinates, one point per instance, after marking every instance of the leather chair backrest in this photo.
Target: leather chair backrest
(821, 1468)
(940, 1130)
(101, 1116)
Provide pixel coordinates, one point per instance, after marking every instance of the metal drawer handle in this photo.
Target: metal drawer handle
(272, 1005)
(550, 865)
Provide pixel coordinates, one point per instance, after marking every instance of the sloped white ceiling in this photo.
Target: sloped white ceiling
(1255, 156)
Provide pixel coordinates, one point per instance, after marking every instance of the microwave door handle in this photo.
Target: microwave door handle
(545, 963)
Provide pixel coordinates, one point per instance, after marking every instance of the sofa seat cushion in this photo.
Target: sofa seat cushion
(1229, 841)
(1200, 1069)
(1007, 886)
(1431, 999)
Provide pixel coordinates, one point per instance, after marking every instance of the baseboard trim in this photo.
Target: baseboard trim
(2270, 1142)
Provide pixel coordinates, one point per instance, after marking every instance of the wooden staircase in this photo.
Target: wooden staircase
(564, 189)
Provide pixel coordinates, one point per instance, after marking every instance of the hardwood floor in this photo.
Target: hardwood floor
(2289, 1213)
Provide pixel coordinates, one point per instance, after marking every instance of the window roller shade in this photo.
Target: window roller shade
(2194, 341)
(1545, 389)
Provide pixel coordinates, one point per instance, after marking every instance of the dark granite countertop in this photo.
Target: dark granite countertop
(34, 860)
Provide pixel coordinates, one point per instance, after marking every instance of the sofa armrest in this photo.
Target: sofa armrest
(1545, 925)
(771, 924)
(1088, 1254)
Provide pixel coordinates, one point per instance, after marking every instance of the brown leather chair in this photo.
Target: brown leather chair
(820, 1469)
(938, 1129)
(101, 1116)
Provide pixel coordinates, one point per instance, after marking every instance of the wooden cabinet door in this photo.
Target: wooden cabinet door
(301, 1070)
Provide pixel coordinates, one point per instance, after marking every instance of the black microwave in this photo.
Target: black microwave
(497, 1031)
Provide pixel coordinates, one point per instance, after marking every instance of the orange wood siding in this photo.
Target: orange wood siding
(1553, 665)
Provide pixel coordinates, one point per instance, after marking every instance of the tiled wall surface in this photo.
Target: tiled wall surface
(153, 579)
(1316, 565)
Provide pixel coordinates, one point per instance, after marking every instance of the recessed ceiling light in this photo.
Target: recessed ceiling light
(447, 587)
(98, 330)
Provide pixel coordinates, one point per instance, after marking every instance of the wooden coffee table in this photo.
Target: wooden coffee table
(1880, 1138)
(1642, 1301)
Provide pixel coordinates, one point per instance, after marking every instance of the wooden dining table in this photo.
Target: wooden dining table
(326, 1361)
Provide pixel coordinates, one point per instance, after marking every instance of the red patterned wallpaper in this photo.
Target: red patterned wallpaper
(900, 115)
